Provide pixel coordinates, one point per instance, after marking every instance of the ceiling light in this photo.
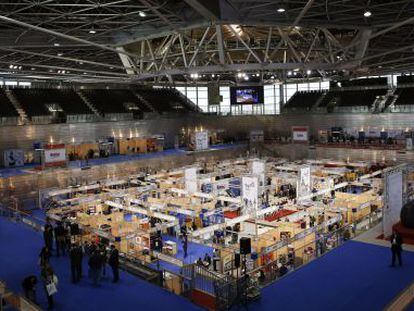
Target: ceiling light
(56, 44)
(84, 73)
(11, 66)
(308, 72)
(272, 77)
(111, 67)
(59, 54)
(20, 67)
(367, 13)
(142, 14)
(289, 73)
(213, 75)
(281, 10)
(32, 68)
(246, 78)
(80, 63)
(92, 31)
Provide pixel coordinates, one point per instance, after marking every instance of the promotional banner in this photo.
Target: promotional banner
(409, 143)
(258, 169)
(250, 193)
(190, 177)
(13, 158)
(201, 140)
(304, 186)
(300, 134)
(393, 200)
(55, 155)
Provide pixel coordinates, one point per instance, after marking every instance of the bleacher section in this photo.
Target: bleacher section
(33, 101)
(112, 101)
(38, 102)
(303, 100)
(6, 107)
(167, 100)
(405, 96)
(352, 97)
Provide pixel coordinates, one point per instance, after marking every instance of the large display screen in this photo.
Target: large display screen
(246, 95)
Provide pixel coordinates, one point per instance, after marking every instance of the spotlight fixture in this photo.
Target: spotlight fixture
(92, 31)
(11, 66)
(142, 14)
(308, 72)
(59, 54)
(56, 44)
(20, 67)
(289, 73)
(367, 13)
(32, 68)
(272, 77)
(194, 76)
(246, 78)
(281, 10)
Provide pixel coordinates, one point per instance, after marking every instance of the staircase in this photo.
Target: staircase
(144, 101)
(88, 103)
(316, 105)
(22, 114)
(391, 99)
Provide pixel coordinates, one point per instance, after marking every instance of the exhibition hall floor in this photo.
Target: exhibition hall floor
(29, 168)
(19, 256)
(355, 276)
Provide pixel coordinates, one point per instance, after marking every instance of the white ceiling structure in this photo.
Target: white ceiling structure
(173, 41)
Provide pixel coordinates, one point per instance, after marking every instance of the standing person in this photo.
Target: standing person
(95, 265)
(29, 288)
(44, 256)
(396, 248)
(60, 239)
(103, 252)
(75, 255)
(48, 235)
(185, 245)
(50, 282)
(113, 261)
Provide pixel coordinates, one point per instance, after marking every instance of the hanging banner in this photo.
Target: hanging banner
(304, 186)
(201, 140)
(190, 177)
(300, 134)
(393, 200)
(409, 143)
(250, 193)
(258, 169)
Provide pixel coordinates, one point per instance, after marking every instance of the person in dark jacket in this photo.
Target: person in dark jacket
(60, 239)
(48, 235)
(95, 266)
(113, 261)
(44, 256)
(76, 256)
(396, 248)
(49, 277)
(104, 255)
(29, 288)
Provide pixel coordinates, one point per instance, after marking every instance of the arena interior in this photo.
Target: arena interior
(206, 154)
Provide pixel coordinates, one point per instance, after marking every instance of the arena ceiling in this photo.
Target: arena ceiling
(173, 41)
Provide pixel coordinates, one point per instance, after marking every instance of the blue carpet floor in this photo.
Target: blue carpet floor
(355, 276)
(18, 259)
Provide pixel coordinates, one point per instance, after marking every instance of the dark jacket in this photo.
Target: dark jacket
(95, 261)
(114, 258)
(396, 242)
(75, 255)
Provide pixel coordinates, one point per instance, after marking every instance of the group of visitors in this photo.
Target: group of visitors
(60, 237)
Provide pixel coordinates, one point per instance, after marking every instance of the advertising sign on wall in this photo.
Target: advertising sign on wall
(201, 140)
(300, 134)
(393, 200)
(54, 155)
(304, 186)
(250, 193)
(13, 158)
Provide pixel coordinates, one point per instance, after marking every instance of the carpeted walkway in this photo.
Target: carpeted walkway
(355, 276)
(18, 259)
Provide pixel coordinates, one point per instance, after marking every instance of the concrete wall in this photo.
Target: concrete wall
(239, 126)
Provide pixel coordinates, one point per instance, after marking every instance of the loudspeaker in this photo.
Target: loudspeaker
(237, 260)
(245, 246)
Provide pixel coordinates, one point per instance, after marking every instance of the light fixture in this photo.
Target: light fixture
(289, 73)
(92, 31)
(194, 75)
(308, 72)
(111, 67)
(339, 84)
(11, 66)
(20, 67)
(59, 54)
(84, 73)
(272, 77)
(213, 75)
(246, 78)
(56, 44)
(33, 68)
(367, 13)
(281, 10)
(142, 14)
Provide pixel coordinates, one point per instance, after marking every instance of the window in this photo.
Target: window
(225, 104)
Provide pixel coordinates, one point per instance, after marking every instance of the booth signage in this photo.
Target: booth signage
(300, 134)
